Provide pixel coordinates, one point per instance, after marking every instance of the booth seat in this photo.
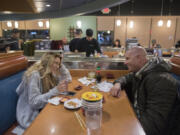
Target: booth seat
(12, 67)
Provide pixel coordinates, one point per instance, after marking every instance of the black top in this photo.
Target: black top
(119, 46)
(88, 46)
(73, 44)
(14, 45)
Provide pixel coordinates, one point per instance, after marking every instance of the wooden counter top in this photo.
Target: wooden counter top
(118, 117)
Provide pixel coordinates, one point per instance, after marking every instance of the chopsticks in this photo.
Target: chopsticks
(80, 120)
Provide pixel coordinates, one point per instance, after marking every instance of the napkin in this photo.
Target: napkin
(54, 101)
(85, 81)
(18, 130)
(104, 86)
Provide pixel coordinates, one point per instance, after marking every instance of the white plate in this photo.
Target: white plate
(67, 104)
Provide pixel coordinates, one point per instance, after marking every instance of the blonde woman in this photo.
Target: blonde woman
(41, 81)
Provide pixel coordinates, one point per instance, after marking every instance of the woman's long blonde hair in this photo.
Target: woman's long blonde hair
(44, 68)
(44, 64)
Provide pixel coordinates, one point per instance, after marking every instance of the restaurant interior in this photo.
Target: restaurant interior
(49, 26)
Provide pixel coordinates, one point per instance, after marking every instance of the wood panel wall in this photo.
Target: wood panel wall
(22, 25)
(4, 25)
(177, 34)
(145, 29)
(105, 23)
(29, 25)
(120, 31)
(140, 30)
(33, 24)
(163, 35)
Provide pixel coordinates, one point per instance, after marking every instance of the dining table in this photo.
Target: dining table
(118, 117)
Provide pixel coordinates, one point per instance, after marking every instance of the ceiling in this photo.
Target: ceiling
(16, 6)
(145, 8)
(41, 9)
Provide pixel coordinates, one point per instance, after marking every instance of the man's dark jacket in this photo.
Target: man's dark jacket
(153, 94)
(73, 44)
(88, 46)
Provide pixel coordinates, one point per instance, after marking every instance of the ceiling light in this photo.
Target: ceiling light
(7, 12)
(131, 24)
(169, 23)
(48, 5)
(108, 31)
(160, 23)
(39, 9)
(16, 24)
(40, 24)
(118, 22)
(9, 24)
(79, 24)
(47, 24)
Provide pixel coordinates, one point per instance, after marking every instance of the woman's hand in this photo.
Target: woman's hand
(115, 90)
(62, 86)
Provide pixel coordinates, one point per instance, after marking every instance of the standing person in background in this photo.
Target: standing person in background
(74, 42)
(43, 80)
(152, 91)
(16, 39)
(117, 43)
(88, 44)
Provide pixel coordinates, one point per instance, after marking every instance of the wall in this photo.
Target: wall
(163, 35)
(177, 30)
(33, 24)
(59, 27)
(107, 21)
(145, 29)
(120, 32)
(140, 30)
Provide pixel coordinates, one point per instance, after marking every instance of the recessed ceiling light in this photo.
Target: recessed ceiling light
(7, 12)
(48, 5)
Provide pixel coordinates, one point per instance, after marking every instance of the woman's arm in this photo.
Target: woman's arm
(64, 74)
(37, 100)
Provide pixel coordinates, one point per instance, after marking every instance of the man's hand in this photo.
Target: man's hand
(115, 90)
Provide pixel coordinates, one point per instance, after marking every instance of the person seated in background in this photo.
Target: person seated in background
(177, 44)
(73, 43)
(117, 43)
(154, 44)
(43, 80)
(152, 92)
(88, 44)
(156, 48)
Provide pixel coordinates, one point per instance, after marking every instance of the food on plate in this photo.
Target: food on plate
(92, 96)
(64, 99)
(71, 103)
